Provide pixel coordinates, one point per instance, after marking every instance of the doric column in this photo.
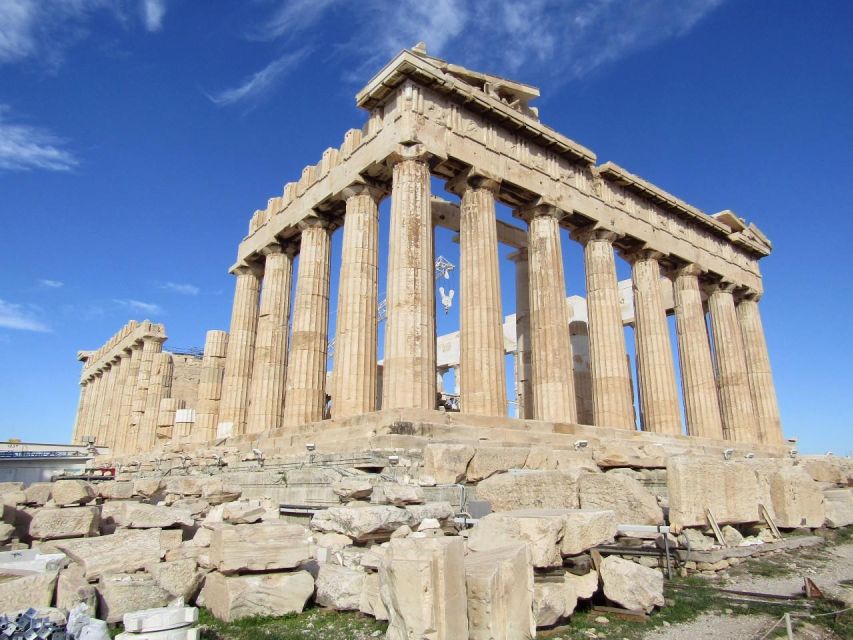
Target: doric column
(81, 413)
(701, 402)
(150, 347)
(165, 425)
(736, 407)
(758, 368)
(98, 406)
(160, 387)
(551, 360)
(305, 395)
(120, 370)
(482, 382)
(356, 329)
(109, 382)
(523, 366)
(612, 394)
(658, 393)
(233, 408)
(210, 386)
(90, 408)
(133, 356)
(270, 360)
(410, 359)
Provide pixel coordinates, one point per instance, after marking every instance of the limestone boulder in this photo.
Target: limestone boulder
(626, 497)
(181, 578)
(66, 493)
(185, 486)
(732, 536)
(616, 454)
(441, 511)
(370, 602)
(499, 587)
(796, 499)
(399, 495)
(219, 491)
(827, 468)
(147, 487)
(22, 592)
(361, 523)
(243, 512)
(339, 588)
(121, 593)
(631, 585)
(838, 504)
(10, 487)
(352, 489)
(152, 621)
(70, 522)
(72, 588)
(7, 532)
(584, 586)
(266, 546)
(422, 584)
(446, 463)
(331, 541)
(487, 461)
(549, 603)
(116, 490)
(530, 490)
(587, 528)
(232, 598)
(125, 551)
(37, 494)
(541, 530)
(140, 515)
(695, 540)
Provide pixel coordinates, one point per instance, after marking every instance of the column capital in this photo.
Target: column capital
(313, 222)
(246, 269)
(641, 253)
(404, 152)
(539, 208)
(473, 178)
(720, 285)
(750, 294)
(361, 187)
(586, 234)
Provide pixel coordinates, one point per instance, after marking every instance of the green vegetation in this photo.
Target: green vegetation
(312, 624)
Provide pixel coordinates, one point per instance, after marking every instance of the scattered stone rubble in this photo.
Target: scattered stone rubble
(391, 545)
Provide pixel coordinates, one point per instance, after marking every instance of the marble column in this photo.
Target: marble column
(98, 407)
(358, 292)
(270, 359)
(79, 420)
(523, 366)
(108, 380)
(482, 382)
(760, 375)
(305, 394)
(551, 359)
(233, 407)
(658, 394)
(409, 376)
(736, 406)
(150, 347)
(699, 385)
(160, 387)
(210, 386)
(134, 354)
(90, 407)
(120, 369)
(612, 394)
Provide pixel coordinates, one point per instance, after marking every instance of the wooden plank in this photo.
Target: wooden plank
(627, 614)
(770, 523)
(712, 522)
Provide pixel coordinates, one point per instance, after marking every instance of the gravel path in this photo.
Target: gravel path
(715, 626)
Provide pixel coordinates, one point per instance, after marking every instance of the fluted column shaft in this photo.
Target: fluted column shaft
(769, 423)
(612, 394)
(736, 406)
(150, 348)
(305, 396)
(160, 387)
(523, 366)
(134, 354)
(356, 330)
(108, 381)
(701, 401)
(120, 371)
(270, 359)
(80, 418)
(551, 360)
(210, 386)
(409, 374)
(658, 393)
(233, 408)
(89, 425)
(482, 378)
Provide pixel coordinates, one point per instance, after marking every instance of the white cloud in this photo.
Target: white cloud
(260, 82)
(182, 288)
(294, 16)
(24, 146)
(51, 284)
(16, 316)
(145, 307)
(152, 13)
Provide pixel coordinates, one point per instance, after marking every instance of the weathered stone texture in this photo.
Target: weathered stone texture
(530, 490)
(232, 598)
(267, 546)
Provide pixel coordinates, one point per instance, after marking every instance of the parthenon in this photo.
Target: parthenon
(429, 119)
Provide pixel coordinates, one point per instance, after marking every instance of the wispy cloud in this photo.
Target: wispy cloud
(533, 40)
(261, 81)
(24, 146)
(182, 287)
(17, 316)
(145, 307)
(152, 13)
(51, 284)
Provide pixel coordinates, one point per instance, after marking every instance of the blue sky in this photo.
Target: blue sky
(137, 138)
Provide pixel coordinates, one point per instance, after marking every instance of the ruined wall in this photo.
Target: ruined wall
(185, 379)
